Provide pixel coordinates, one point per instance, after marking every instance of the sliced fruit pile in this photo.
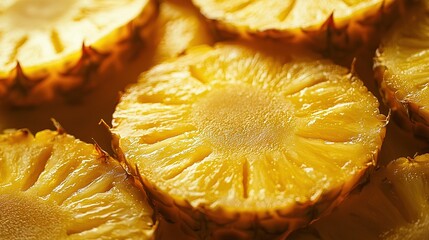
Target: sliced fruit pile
(256, 137)
(393, 205)
(402, 68)
(51, 47)
(241, 135)
(53, 186)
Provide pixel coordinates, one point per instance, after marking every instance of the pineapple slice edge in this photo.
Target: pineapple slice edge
(55, 186)
(66, 65)
(135, 125)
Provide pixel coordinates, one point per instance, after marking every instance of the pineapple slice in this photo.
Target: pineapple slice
(394, 205)
(246, 140)
(178, 27)
(53, 186)
(402, 70)
(51, 47)
(328, 25)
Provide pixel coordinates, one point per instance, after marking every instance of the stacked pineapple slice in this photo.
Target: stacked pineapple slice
(402, 70)
(53, 186)
(53, 48)
(247, 140)
(394, 205)
(334, 26)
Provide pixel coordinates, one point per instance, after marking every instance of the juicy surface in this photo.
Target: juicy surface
(24, 217)
(178, 27)
(405, 53)
(34, 32)
(263, 15)
(229, 126)
(55, 178)
(394, 205)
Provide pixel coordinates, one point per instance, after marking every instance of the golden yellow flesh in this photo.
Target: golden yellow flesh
(260, 15)
(178, 27)
(405, 53)
(393, 206)
(53, 186)
(230, 126)
(34, 32)
(257, 123)
(26, 217)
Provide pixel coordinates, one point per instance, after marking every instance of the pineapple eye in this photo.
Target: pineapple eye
(239, 116)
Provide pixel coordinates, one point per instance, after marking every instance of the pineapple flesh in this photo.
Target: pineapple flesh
(402, 70)
(178, 27)
(50, 47)
(392, 206)
(245, 140)
(331, 26)
(53, 186)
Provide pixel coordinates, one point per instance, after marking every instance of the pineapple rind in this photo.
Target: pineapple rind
(356, 27)
(393, 204)
(88, 192)
(401, 71)
(69, 76)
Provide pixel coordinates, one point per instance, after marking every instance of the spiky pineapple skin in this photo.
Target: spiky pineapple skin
(203, 222)
(409, 115)
(333, 38)
(79, 72)
(177, 217)
(391, 204)
(129, 206)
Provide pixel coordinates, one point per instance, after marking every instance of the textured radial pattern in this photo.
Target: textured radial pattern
(53, 186)
(39, 31)
(60, 48)
(245, 129)
(289, 15)
(393, 205)
(403, 68)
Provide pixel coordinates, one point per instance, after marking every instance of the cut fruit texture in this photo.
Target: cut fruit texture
(53, 186)
(402, 70)
(178, 27)
(392, 206)
(332, 26)
(52, 48)
(246, 140)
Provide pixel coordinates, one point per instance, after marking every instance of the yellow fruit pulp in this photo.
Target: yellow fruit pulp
(403, 55)
(295, 15)
(392, 206)
(34, 32)
(249, 128)
(53, 186)
(178, 27)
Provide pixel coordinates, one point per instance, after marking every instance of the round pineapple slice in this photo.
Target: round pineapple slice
(53, 186)
(245, 140)
(329, 24)
(178, 27)
(394, 205)
(402, 70)
(51, 47)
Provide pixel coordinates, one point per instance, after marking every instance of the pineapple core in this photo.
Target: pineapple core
(26, 217)
(242, 117)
